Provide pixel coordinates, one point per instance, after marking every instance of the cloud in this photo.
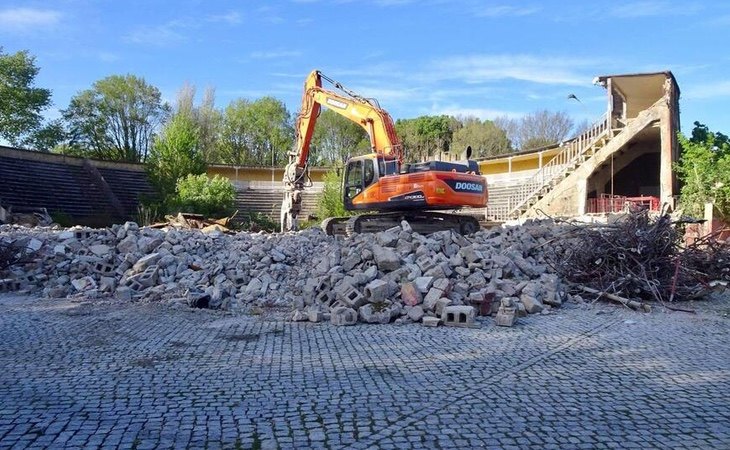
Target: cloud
(713, 90)
(28, 19)
(161, 35)
(275, 54)
(481, 113)
(107, 57)
(475, 69)
(652, 8)
(231, 18)
(506, 11)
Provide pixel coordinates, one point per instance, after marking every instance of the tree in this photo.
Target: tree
(538, 129)
(330, 202)
(256, 133)
(21, 104)
(704, 169)
(337, 138)
(116, 118)
(175, 154)
(206, 118)
(425, 136)
(484, 137)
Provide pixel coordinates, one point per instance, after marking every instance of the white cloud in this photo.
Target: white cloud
(506, 11)
(711, 90)
(481, 113)
(653, 8)
(107, 57)
(161, 35)
(275, 54)
(476, 69)
(28, 19)
(231, 18)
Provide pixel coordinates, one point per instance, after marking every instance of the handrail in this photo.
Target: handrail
(572, 151)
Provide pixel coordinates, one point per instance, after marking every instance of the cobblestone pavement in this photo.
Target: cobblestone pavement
(79, 375)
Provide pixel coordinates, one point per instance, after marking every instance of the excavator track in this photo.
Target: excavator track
(424, 222)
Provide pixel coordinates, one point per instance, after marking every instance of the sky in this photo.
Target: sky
(417, 57)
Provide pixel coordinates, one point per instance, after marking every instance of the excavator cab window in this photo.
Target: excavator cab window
(369, 171)
(353, 179)
(387, 166)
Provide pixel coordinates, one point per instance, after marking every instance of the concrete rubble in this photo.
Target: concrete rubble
(395, 276)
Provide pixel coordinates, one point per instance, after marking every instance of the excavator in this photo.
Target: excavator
(379, 183)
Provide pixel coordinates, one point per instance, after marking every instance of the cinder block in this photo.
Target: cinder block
(8, 285)
(377, 291)
(351, 297)
(458, 316)
(104, 268)
(505, 317)
(425, 263)
(342, 316)
(429, 321)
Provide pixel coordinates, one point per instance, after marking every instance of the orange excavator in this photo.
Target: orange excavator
(379, 181)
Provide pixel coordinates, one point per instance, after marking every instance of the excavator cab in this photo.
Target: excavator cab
(360, 173)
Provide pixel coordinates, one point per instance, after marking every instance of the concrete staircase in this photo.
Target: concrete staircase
(574, 153)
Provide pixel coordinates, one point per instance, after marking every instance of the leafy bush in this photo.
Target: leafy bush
(330, 202)
(203, 195)
(704, 169)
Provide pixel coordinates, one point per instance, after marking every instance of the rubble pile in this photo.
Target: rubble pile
(186, 267)
(402, 276)
(396, 275)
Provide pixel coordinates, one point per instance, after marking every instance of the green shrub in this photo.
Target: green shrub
(211, 197)
(330, 202)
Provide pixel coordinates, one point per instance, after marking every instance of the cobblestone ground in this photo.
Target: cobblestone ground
(76, 375)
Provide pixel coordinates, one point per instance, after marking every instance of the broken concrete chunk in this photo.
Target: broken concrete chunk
(386, 259)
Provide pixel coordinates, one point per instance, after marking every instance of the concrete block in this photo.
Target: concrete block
(458, 316)
(423, 284)
(443, 284)
(342, 316)
(351, 297)
(385, 258)
(425, 263)
(505, 317)
(8, 285)
(377, 291)
(532, 304)
(104, 268)
(429, 321)
(429, 302)
(441, 304)
(416, 313)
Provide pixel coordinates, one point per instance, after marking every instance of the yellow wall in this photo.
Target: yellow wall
(530, 161)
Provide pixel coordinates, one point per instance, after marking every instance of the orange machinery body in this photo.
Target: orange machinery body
(371, 183)
(425, 190)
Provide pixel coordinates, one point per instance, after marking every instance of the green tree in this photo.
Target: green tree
(425, 136)
(257, 133)
(175, 154)
(21, 104)
(337, 138)
(206, 117)
(212, 197)
(704, 169)
(484, 137)
(116, 119)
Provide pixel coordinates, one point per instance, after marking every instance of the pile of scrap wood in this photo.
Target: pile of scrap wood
(638, 258)
(189, 221)
(30, 218)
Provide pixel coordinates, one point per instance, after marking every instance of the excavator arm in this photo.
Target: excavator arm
(365, 112)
